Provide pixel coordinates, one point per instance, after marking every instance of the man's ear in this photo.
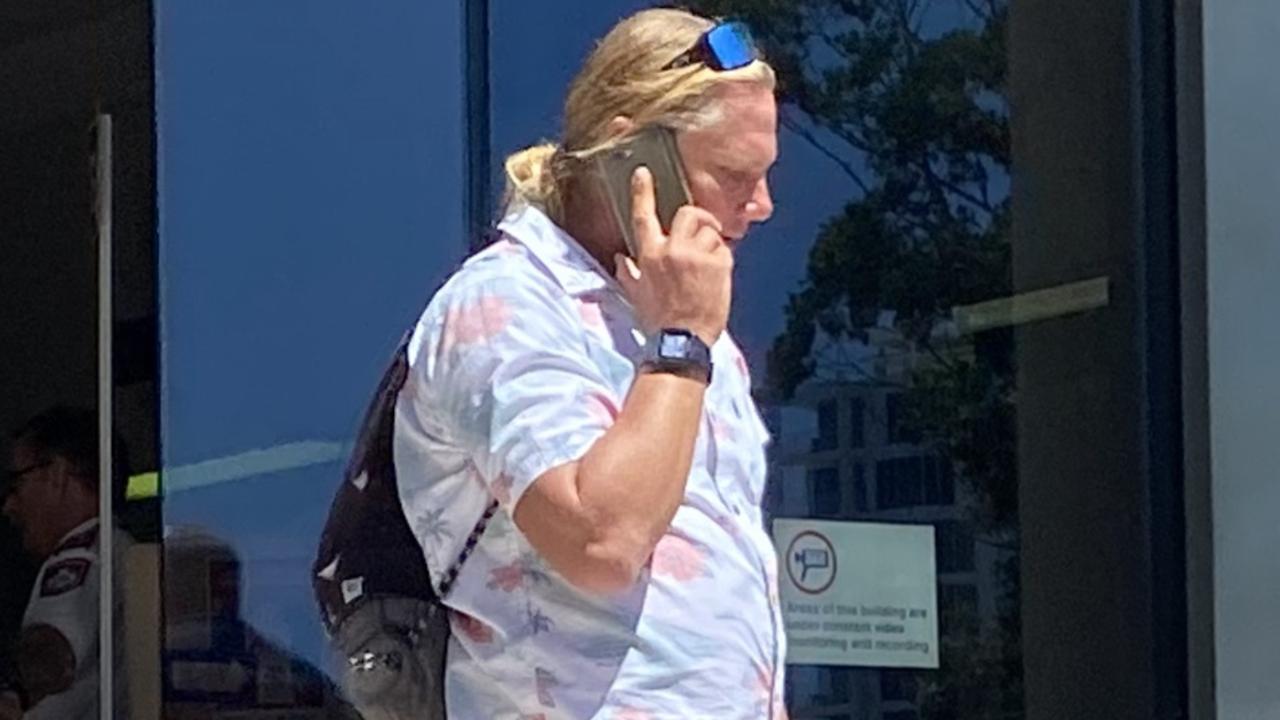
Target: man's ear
(620, 125)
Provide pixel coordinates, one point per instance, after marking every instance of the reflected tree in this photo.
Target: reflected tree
(909, 99)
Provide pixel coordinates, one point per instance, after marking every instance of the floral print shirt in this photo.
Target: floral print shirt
(518, 365)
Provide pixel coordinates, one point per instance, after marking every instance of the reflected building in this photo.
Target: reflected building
(845, 450)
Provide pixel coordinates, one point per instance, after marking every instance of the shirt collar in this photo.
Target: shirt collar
(571, 265)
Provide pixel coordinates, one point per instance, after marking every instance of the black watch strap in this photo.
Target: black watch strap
(678, 351)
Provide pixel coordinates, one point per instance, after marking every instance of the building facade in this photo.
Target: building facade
(1016, 291)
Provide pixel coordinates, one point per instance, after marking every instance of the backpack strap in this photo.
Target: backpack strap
(450, 575)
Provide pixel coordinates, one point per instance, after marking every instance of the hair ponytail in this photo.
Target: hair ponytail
(531, 177)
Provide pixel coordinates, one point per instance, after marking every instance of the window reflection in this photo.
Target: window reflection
(907, 102)
(213, 656)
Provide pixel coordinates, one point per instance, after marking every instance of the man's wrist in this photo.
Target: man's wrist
(677, 351)
(701, 375)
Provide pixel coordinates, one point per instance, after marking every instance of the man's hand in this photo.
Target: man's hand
(10, 707)
(681, 280)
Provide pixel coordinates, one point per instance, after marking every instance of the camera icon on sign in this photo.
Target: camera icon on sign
(811, 562)
(812, 559)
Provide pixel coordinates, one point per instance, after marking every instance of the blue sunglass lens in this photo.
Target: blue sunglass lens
(731, 46)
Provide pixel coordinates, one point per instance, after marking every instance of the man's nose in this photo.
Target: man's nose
(760, 207)
(10, 506)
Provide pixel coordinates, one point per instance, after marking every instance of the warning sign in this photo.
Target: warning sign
(858, 593)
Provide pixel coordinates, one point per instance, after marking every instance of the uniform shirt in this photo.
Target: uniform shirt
(519, 364)
(65, 597)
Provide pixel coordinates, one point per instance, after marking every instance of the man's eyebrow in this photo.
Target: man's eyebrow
(740, 161)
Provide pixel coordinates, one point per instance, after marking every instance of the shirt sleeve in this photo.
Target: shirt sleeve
(507, 376)
(65, 598)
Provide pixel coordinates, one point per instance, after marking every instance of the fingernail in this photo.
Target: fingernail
(636, 177)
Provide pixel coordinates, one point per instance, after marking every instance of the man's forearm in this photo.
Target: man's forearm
(633, 479)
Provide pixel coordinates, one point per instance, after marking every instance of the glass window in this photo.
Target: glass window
(857, 425)
(917, 480)
(826, 498)
(955, 548)
(860, 488)
(906, 228)
(958, 603)
(828, 426)
(898, 421)
(77, 345)
(311, 199)
(939, 483)
(898, 685)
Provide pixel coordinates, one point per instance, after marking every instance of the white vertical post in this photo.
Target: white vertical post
(106, 509)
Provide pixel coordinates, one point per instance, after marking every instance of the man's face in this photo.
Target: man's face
(728, 162)
(34, 499)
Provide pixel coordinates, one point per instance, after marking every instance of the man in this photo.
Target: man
(628, 573)
(52, 499)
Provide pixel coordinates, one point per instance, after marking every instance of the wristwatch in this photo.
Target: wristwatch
(677, 351)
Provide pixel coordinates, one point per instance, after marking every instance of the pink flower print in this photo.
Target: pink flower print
(506, 577)
(741, 362)
(475, 630)
(502, 489)
(760, 685)
(602, 409)
(506, 247)
(677, 558)
(721, 430)
(592, 315)
(475, 322)
(628, 712)
(545, 681)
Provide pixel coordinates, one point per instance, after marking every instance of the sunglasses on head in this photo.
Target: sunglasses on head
(727, 46)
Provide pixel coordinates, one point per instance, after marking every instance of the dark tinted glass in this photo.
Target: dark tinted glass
(312, 199)
(78, 577)
(884, 307)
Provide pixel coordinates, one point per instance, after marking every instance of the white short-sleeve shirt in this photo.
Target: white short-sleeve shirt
(518, 365)
(65, 597)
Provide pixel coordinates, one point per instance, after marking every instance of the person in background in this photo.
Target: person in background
(627, 572)
(51, 497)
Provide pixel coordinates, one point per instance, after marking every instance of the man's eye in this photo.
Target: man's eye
(736, 177)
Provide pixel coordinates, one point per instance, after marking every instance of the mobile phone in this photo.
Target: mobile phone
(653, 147)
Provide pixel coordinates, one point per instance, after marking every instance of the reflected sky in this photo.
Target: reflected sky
(311, 198)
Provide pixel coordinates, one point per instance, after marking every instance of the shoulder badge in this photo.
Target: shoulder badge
(63, 577)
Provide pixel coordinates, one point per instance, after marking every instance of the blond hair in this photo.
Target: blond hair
(625, 76)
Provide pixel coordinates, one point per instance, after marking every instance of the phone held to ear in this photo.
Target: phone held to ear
(655, 148)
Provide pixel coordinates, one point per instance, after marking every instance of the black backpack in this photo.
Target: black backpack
(370, 578)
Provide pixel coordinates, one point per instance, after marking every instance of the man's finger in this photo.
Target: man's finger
(690, 219)
(708, 238)
(645, 227)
